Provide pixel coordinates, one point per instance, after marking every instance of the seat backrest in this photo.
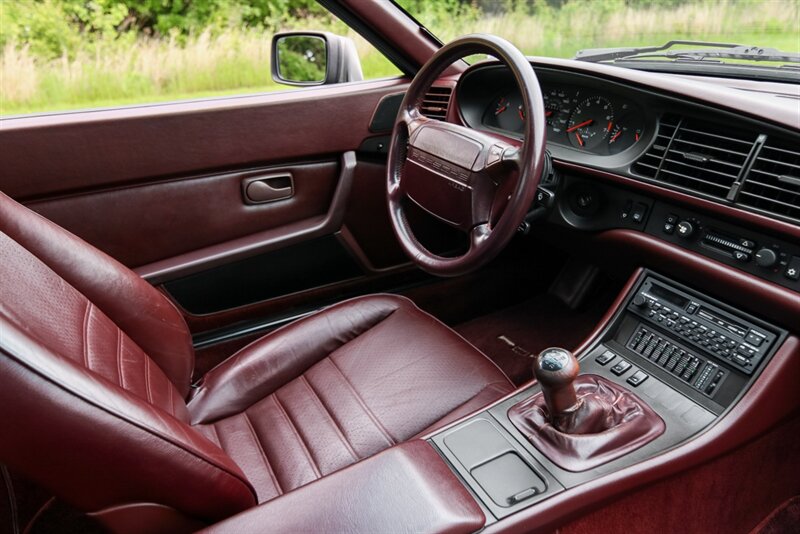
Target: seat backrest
(94, 371)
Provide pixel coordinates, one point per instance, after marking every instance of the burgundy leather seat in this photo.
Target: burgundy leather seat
(96, 403)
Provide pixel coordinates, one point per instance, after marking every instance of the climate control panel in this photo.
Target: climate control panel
(775, 260)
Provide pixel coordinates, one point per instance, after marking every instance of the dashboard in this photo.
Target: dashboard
(621, 146)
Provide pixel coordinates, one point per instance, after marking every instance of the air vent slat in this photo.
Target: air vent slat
(654, 167)
(693, 179)
(762, 184)
(717, 136)
(699, 156)
(436, 102)
(772, 200)
(776, 176)
(773, 184)
(743, 155)
(777, 149)
(725, 175)
(785, 164)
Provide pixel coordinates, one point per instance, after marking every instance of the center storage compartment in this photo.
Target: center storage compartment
(508, 479)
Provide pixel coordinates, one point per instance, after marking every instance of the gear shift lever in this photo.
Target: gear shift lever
(556, 369)
(580, 422)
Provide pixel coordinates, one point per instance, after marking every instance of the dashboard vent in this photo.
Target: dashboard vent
(773, 184)
(706, 157)
(649, 163)
(697, 155)
(436, 102)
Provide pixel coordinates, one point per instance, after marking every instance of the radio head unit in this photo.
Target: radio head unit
(706, 327)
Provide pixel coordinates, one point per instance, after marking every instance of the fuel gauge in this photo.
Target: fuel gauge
(625, 132)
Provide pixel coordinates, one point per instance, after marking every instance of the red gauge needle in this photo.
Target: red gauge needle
(636, 136)
(578, 137)
(609, 126)
(500, 110)
(614, 137)
(581, 125)
(521, 114)
(548, 113)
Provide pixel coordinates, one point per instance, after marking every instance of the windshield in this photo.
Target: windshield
(562, 28)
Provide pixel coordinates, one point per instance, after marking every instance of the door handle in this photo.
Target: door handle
(270, 188)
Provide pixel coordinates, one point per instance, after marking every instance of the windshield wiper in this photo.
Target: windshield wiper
(715, 51)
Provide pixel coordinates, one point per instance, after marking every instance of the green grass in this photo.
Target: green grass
(116, 73)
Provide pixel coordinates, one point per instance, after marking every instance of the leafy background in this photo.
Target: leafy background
(66, 54)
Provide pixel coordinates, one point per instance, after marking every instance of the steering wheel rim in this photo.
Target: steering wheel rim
(428, 159)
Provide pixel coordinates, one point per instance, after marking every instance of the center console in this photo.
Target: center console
(680, 359)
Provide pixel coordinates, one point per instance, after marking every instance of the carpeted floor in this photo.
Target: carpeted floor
(511, 336)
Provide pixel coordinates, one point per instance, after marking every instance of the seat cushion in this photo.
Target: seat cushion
(337, 387)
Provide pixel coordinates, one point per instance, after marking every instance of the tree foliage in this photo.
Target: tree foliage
(52, 28)
(55, 27)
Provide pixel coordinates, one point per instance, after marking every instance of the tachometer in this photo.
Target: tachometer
(590, 123)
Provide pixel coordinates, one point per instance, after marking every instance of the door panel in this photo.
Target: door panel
(161, 189)
(142, 224)
(70, 152)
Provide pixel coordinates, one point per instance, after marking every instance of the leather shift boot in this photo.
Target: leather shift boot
(608, 422)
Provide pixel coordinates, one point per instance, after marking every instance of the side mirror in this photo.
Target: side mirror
(314, 58)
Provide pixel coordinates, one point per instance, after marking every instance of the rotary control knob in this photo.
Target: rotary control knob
(639, 300)
(766, 257)
(685, 229)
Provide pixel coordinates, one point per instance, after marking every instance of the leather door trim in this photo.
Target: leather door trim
(265, 241)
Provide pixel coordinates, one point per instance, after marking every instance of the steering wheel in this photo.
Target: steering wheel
(477, 182)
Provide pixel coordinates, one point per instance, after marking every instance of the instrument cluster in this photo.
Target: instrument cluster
(583, 118)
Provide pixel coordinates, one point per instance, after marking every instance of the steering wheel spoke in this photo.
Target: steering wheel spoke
(479, 236)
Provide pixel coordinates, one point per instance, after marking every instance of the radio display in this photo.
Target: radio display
(669, 296)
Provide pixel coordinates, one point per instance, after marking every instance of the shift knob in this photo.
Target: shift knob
(556, 369)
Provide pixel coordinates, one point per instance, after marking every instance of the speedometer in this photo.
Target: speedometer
(590, 122)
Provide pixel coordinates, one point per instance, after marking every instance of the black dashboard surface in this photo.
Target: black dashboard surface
(646, 134)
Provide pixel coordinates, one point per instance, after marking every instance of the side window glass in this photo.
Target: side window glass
(60, 55)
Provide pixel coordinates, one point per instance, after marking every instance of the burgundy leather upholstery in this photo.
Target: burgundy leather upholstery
(407, 488)
(609, 422)
(338, 387)
(150, 320)
(94, 375)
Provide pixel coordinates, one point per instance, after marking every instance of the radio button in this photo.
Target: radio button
(754, 339)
